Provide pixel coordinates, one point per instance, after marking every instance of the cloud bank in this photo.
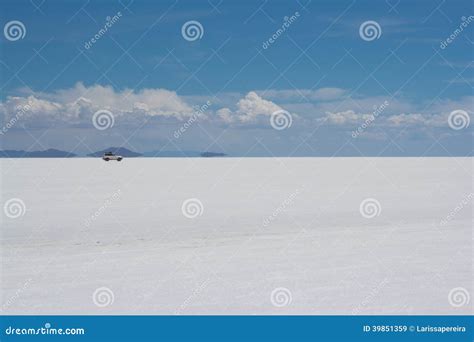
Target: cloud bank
(76, 106)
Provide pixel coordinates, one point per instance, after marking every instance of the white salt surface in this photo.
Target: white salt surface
(291, 227)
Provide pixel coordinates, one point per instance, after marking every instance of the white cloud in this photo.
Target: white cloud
(75, 106)
(407, 119)
(80, 102)
(348, 116)
(248, 110)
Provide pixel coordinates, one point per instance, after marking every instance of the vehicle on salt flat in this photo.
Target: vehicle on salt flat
(111, 156)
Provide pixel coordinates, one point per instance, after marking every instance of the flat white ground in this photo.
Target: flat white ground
(266, 224)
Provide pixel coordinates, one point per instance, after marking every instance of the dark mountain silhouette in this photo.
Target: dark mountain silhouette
(122, 151)
(212, 154)
(49, 153)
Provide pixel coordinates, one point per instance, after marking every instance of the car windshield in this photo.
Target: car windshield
(109, 154)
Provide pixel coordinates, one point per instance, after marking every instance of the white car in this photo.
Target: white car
(110, 156)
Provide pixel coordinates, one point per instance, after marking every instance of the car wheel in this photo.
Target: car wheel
(106, 159)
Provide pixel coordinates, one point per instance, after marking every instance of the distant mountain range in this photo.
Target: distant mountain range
(212, 154)
(121, 151)
(182, 154)
(53, 153)
(50, 153)
(172, 154)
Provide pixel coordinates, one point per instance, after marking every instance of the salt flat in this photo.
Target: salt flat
(273, 236)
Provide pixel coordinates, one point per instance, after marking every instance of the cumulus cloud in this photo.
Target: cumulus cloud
(79, 103)
(248, 110)
(76, 106)
(348, 116)
(351, 118)
(153, 101)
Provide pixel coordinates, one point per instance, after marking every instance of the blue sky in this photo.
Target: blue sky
(343, 92)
